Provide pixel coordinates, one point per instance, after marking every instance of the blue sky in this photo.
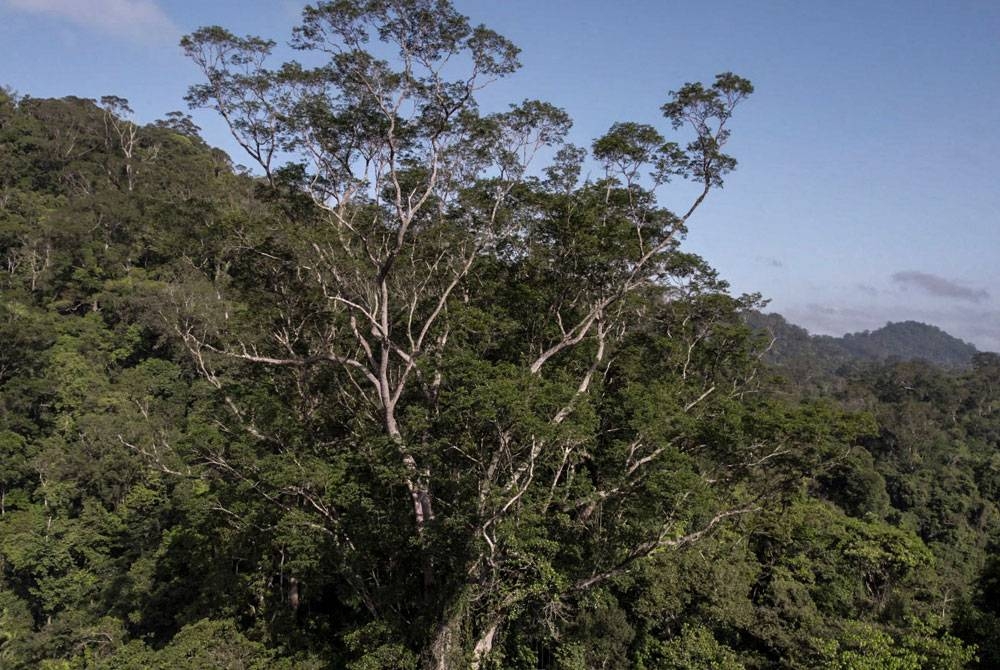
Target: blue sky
(865, 192)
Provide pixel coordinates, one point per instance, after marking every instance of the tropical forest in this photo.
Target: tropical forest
(412, 383)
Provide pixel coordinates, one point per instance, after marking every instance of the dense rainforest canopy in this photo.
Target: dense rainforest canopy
(413, 394)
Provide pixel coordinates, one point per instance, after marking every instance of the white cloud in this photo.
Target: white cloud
(140, 20)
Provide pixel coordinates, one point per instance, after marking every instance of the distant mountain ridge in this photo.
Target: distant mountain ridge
(910, 340)
(904, 340)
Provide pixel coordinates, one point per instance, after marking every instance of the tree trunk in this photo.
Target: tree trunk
(416, 483)
(450, 647)
(418, 486)
(446, 649)
(484, 645)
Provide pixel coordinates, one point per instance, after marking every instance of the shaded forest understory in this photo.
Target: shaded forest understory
(448, 412)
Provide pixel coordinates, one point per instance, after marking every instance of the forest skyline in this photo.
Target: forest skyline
(864, 197)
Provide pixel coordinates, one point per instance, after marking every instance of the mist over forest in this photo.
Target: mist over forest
(431, 387)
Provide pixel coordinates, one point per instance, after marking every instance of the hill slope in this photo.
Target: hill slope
(905, 340)
(909, 340)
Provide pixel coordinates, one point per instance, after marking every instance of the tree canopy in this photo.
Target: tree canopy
(412, 393)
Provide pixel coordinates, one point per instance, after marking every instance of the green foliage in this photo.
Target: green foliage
(862, 647)
(203, 644)
(696, 648)
(555, 446)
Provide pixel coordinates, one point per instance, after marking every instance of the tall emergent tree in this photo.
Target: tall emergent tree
(482, 388)
(574, 442)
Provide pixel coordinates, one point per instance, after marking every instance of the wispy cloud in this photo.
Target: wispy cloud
(771, 261)
(140, 20)
(867, 289)
(939, 287)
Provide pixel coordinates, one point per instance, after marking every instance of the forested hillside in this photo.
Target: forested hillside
(905, 341)
(413, 394)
